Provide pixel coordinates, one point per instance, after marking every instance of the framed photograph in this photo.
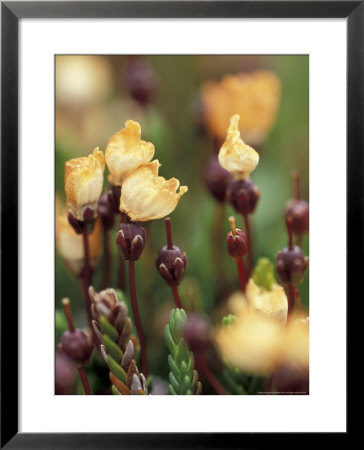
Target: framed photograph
(159, 161)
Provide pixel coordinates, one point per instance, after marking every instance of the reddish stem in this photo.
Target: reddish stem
(86, 276)
(249, 242)
(296, 185)
(241, 271)
(176, 296)
(169, 233)
(289, 221)
(83, 376)
(291, 299)
(298, 300)
(107, 262)
(210, 377)
(138, 323)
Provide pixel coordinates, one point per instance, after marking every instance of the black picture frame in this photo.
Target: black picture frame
(11, 12)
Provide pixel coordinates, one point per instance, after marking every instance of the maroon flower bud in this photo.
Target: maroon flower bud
(291, 265)
(171, 264)
(196, 331)
(65, 376)
(236, 243)
(298, 210)
(131, 240)
(88, 221)
(114, 195)
(216, 178)
(106, 211)
(291, 379)
(77, 346)
(243, 195)
(140, 80)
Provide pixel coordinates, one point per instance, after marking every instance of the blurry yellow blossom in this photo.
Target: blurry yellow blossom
(82, 79)
(84, 178)
(70, 245)
(256, 343)
(147, 196)
(235, 156)
(255, 97)
(271, 303)
(125, 152)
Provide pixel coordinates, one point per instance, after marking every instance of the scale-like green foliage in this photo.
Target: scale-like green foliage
(183, 378)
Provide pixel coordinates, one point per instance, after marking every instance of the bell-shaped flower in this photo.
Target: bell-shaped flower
(235, 156)
(147, 196)
(84, 178)
(125, 152)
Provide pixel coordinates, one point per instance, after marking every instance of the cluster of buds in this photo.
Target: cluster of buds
(171, 261)
(113, 327)
(130, 239)
(291, 263)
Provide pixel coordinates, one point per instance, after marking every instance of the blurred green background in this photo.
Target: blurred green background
(92, 103)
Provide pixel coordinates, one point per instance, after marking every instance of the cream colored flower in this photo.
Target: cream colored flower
(256, 343)
(235, 156)
(252, 343)
(125, 152)
(255, 97)
(271, 303)
(147, 196)
(70, 245)
(84, 178)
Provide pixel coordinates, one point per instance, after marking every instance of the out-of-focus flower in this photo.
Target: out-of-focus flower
(258, 344)
(125, 152)
(70, 245)
(270, 303)
(84, 178)
(82, 80)
(147, 196)
(65, 377)
(140, 79)
(235, 156)
(255, 97)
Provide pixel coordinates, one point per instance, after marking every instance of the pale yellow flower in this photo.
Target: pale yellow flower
(271, 303)
(255, 97)
(235, 156)
(84, 178)
(257, 343)
(125, 152)
(147, 196)
(70, 245)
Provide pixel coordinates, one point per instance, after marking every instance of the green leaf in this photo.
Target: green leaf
(263, 274)
(112, 348)
(107, 328)
(228, 320)
(114, 367)
(115, 390)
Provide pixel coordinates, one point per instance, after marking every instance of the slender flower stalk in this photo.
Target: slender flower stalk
(71, 327)
(210, 377)
(107, 260)
(137, 320)
(237, 247)
(249, 242)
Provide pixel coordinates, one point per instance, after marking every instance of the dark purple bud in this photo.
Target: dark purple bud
(131, 240)
(140, 80)
(65, 376)
(298, 211)
(216, 178)
(196, 332)
(114, 195)
(106, 211)
(236, 243)
(243, 195)
(291, 379)
(171, 264)
(291, 265)
(77, 346)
